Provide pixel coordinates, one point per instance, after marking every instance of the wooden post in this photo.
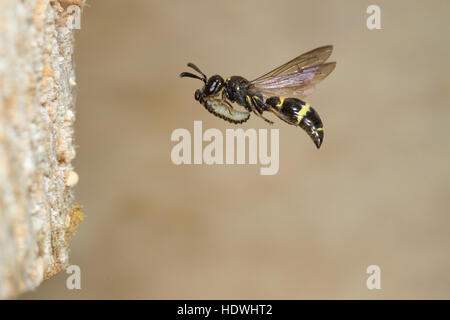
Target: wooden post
(37, 112)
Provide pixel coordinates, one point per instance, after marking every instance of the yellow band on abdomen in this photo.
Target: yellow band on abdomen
(303, 112)
(281, 102)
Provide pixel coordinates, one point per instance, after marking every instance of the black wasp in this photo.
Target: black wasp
(277, 91)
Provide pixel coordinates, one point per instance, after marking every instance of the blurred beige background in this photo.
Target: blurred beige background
(377, 192)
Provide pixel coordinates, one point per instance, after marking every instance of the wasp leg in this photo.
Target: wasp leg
(275, 112)
(228, 103)
(262, 117)
(254, 107)
(258, 112)
(228, 106)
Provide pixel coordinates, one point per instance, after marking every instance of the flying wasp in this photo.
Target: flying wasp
(278, 91)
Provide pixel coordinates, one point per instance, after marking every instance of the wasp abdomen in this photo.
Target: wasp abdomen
(299, 113)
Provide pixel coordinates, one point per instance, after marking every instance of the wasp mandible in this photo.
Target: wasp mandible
(278, 91)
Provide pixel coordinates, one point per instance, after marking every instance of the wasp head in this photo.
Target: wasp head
(212, 86)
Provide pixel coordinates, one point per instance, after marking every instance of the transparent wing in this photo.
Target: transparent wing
(298, 76)
(297, 83)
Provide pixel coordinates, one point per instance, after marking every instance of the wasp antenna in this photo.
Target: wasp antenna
(191, 75)
(193, 66)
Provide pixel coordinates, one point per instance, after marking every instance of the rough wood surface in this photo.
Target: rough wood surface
(37, 87)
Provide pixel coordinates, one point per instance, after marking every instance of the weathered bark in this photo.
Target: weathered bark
(37, 80)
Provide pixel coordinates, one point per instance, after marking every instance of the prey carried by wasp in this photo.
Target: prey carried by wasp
(278, 91)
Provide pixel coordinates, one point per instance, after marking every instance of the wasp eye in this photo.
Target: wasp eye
(197, 94)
